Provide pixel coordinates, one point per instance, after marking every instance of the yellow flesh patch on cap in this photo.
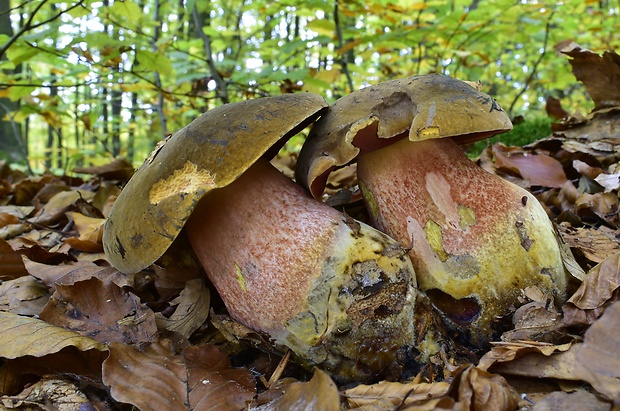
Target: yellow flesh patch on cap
(183, 181)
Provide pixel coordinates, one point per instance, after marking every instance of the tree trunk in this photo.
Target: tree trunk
(11, 144)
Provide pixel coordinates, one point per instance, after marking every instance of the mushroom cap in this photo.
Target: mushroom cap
(211, 152)
(421, 107)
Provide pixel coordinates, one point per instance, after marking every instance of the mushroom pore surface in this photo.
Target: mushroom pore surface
(339, 293)
(476, 239)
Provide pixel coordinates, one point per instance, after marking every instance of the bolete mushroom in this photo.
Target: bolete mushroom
(475, 239)
(337, 292)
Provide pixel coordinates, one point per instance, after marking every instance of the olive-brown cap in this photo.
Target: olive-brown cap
(211, 152)
(427, 106)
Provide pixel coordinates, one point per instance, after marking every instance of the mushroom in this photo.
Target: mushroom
(337, 292)
(475, 239)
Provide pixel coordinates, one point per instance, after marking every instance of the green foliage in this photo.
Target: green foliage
(523, 133)
(125, 76)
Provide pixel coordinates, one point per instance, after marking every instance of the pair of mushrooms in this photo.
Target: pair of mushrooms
(339, 293)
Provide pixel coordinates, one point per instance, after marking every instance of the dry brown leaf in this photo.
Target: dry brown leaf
(537, 320)
(24, 296)
(598, 290)
(509, 351)
(156, 379)
(56, 394)
(598, 73)
(478, 390)
(89, 228)
(596, 244)
(25, 336)
(602, 205)
(386, 395)
(117, 169)
(579, 400)
(78, 271)
(56, 207)
(102, 310)
(11, 262)
(191, 309)
(598, 358)
(320, 393)
(538, 169)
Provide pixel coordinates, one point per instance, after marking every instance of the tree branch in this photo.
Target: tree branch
(29, 26)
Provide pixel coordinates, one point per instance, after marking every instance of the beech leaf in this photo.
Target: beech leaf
(156, 379)
(23, 336)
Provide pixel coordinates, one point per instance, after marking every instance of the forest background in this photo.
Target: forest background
(84, 81)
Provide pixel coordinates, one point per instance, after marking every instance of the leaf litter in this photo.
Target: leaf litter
(77, 334)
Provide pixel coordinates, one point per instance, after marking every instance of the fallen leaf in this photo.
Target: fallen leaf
(598, 358)
(11, 262)
(24, 295)
(157, 379)
(571, 401)
(538, 169)
(102, 310)
(503, 352)
(598, 290)
(320, 393)
(25, 336)
(191, 309)
(598, 73)
(386, 395)
(477, 390)
(117, 169)
(47, 393)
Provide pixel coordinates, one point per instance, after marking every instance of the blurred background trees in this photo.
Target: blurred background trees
(87, 80)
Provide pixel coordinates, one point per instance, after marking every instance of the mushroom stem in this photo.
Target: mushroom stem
(313, 279)
(476, 240)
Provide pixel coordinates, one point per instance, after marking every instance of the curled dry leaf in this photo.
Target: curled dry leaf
(598, 291)
(320, 393)
(507, 352)
(386, 395)
(102, 310)
(594, 244)
(156, 379)
(192, 309)
(24, 336)
(537, 320)
(598, 73)
(478, 390)
(24, 295)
